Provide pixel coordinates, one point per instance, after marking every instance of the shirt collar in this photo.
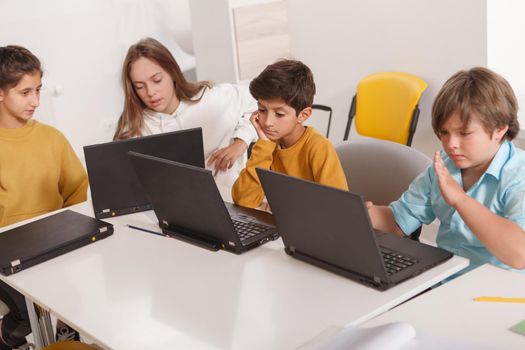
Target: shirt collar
(500, 159)
(18, 132)
(496, 165)
(183, 105)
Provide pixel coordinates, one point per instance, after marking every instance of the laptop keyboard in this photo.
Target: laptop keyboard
(247, 230)
(395, 262)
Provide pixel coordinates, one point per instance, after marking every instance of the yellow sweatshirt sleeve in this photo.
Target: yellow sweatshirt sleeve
(247, 189)
(73, 181)
(326, 167)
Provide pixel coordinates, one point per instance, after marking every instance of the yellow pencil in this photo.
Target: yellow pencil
(500, 299)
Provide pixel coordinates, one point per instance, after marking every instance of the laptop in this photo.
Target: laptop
(41, 240)
(330, 228)
(189, 207)
(115, 189)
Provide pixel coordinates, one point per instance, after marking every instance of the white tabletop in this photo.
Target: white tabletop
(136, 290)
(450, 312)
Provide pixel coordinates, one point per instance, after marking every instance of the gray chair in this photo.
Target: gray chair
(380, 170)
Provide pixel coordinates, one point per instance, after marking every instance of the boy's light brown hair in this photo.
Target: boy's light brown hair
(479, 93)
(289, 80)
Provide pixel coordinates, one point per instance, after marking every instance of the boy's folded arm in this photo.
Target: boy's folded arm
(502, 237)
(247, 189)
(383, 219)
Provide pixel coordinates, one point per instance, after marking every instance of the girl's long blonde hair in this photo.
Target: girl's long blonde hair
(131, 120)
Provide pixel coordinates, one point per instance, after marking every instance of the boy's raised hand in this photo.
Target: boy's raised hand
(254, 119)
(450, 190)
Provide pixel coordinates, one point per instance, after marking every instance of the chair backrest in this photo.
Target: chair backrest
(386, 106)
(380, 170)
(321, 119)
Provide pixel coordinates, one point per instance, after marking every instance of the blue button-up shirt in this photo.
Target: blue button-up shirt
(501, 189)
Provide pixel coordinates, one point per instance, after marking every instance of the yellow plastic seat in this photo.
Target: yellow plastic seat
(386, 106)
(70, 345)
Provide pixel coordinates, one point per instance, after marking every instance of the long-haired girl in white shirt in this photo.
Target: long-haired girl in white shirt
(158, 98)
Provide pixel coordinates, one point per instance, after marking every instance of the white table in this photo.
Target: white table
(136, 290)
(450, 312)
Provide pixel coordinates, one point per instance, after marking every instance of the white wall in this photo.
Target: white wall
(82, 45)
(506, 51)
(345, 40)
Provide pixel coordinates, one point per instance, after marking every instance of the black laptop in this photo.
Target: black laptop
(189, 207)
(115, 190)
(331, 229)
(44, 239)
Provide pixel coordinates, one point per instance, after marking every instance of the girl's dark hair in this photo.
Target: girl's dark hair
(15, 62)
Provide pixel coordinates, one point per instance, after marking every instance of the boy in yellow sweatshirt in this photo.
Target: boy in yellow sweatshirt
(39, 171)
(284, 92)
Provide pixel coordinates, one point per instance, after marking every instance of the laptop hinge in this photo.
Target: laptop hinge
(15, 262)
(292, 249)
(377, 279)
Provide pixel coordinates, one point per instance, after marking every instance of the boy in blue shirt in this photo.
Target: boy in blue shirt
(476, 186)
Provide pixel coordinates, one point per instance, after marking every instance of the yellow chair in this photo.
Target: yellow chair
(386, 106)
(71, 345)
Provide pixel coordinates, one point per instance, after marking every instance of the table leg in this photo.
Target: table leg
(40, 325)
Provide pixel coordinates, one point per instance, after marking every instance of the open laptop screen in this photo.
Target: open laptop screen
(115, 189)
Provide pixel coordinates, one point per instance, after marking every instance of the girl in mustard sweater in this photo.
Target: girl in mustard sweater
(39, 171)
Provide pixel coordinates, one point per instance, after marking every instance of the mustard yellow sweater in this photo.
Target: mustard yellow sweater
(312, 157)
(39, 172)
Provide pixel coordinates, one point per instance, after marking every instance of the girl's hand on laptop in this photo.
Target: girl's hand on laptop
(254, 119)
(223, 158)
(450, 190)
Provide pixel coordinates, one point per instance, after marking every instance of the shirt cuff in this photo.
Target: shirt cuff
(406, 222)
(246, 135)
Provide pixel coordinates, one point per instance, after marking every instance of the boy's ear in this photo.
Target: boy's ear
(304, 114)
(500, 132)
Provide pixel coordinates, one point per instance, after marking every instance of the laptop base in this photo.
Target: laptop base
(339, 271)
(189, 237)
